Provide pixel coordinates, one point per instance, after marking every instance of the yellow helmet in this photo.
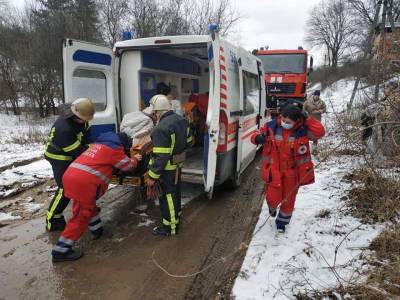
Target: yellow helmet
(83, 108)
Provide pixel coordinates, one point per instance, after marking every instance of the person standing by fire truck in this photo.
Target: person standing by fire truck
(170, 138)
(287, 159)
(69, 137)
(315, 107)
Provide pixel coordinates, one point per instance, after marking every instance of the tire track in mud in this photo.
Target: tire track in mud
(235, 227)
(119, 266)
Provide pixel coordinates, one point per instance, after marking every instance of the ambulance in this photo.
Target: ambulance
(123, 79)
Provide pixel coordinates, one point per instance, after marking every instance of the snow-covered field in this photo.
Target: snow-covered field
(22, 165)
(21, 139)
(278, 266)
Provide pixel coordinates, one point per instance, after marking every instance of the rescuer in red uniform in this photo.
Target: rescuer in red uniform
(287, 159)
(85, 181)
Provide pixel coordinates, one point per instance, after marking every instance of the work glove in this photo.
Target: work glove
(260, 139)
(154, 190)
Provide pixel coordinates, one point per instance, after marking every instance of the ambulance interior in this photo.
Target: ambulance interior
(186, 71)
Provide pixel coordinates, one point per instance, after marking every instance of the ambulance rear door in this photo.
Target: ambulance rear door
(250, 98)
(88, 71)
(213, 112)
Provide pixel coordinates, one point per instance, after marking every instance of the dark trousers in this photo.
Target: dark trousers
(59, 201)
(170, 201)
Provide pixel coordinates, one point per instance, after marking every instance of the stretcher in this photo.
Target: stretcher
(138, 176)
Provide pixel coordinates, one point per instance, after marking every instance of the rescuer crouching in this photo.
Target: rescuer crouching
(85, 181)
(287, 161)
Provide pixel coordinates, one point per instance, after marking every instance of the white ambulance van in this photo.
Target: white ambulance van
(124, 79)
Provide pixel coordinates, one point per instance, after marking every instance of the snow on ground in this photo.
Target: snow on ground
(278, 266)
(21, 143)
(22, 139)
(8, 217)
(24, 176)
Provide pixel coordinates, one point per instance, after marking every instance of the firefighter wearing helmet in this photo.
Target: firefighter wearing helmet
(69, 137)
(171, 137)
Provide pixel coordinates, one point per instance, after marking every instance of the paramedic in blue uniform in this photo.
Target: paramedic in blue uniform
(171, 137)
(69, 137)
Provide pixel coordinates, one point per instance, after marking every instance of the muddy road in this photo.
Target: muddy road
(120, 265)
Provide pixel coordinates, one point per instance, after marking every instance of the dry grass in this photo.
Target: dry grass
(374, 198)
(383, 280)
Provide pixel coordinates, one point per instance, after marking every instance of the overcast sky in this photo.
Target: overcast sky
(277, 23)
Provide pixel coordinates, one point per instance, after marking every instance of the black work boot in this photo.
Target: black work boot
(71, 255)
(98, 233)
(160, 231)
(55, 224)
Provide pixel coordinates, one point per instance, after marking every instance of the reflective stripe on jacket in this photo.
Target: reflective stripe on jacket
(67, 140)
(289, 149)
(94, 168)
(170, 137)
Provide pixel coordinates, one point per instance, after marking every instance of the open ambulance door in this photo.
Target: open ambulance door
(88, 72)
(250, 100)
(212, 122)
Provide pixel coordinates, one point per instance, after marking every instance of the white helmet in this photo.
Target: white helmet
(160, 103)
(83, 108)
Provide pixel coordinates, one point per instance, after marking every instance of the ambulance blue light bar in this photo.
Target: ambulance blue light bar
(213, 27)
(127, 35)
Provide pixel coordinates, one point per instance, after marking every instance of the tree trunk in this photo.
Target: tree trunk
(367, 53)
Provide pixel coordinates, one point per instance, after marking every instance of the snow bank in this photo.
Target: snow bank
(277, 266)
(8, 217)
(25, 175)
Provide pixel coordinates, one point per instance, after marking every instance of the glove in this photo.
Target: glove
(305, 114)
(154, 190)
(260, 139)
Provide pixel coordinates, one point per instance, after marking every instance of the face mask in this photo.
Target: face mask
(287, 125)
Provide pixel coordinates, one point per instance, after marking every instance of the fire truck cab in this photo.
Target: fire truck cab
(286, 75)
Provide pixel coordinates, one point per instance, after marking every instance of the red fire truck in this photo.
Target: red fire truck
(286, 74)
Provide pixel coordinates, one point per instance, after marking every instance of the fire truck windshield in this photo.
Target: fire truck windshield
(284, 63)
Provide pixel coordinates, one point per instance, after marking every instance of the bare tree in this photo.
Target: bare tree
(177, 17)
(113, 18)
(203, 12)
(331, 26)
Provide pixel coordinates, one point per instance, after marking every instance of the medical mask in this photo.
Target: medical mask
(287, 125)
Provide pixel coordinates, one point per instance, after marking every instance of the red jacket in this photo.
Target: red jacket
(87, 178)
(289, 149)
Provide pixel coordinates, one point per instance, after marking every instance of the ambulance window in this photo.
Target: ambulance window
(251, 93)
(90, 84)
